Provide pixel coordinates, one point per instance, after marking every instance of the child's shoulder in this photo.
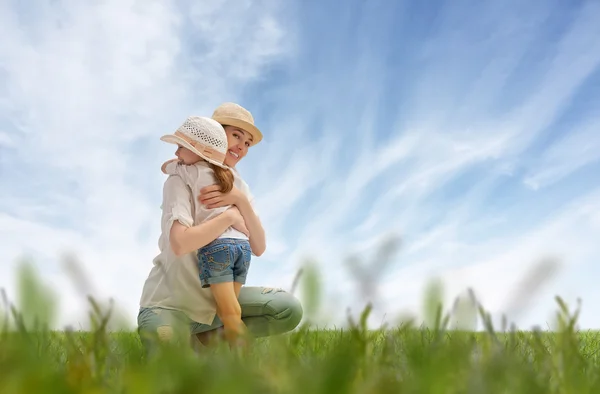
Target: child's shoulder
(193, 169)
(202, 166)
(194, 172)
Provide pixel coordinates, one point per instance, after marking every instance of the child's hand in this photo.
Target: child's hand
(211, 197)
(238, 221)
(163, 168)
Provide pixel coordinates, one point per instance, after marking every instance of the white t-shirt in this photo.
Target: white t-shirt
(199, 175)
(173, 282)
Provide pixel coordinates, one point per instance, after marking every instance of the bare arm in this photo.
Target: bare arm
(257, 238)
(187, 239)
(184, 237)
(213, 198)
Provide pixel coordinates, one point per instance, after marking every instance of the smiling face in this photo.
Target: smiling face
(238, 142)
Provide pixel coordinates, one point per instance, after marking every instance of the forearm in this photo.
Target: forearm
(188, 239)
(257, 237)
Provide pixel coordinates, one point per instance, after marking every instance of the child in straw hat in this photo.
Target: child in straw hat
(223, 264)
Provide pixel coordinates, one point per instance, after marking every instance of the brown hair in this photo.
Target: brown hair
(224, 178)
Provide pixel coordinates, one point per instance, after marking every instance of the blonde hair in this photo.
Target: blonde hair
(224, 178)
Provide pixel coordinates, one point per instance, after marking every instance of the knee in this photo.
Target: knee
(287, 309)
(157, 334)
(159, 326)
(164, 333)
(152, 340)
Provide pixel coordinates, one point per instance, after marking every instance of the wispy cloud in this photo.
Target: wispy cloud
(6, 140)
(379, 119)
(90, 89)
(495, 267)
(572, 151)
(438, 172)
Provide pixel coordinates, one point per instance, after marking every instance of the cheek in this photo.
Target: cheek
(231, 140)
(189, 157)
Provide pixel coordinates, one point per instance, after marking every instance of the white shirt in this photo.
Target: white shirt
(173, 282)
(199, 175)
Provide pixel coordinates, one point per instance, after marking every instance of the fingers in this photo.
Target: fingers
(241, 227)
(203, 198)
(215, 202)
(209, 194)
(208, 189)
(243, 230)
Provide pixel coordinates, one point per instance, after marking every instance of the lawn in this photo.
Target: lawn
(402, 359)
(355, 360)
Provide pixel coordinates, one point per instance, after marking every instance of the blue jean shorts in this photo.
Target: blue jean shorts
(224, 260)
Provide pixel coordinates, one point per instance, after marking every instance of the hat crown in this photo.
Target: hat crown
(233, 110)
(206, 131)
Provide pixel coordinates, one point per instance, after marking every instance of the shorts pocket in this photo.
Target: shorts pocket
(246, 254)
(216, 258)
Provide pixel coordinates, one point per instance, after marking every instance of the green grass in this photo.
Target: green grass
(355, 360)
(404, 359)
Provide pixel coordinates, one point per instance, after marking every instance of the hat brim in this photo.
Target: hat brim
(249, 127)
(175, 140)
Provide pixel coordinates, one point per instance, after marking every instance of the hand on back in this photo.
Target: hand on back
(211, 197)
(238, 220)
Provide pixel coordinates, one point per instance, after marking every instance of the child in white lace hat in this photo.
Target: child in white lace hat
(223, 264)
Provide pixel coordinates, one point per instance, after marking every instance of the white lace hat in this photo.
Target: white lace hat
(203, 136)
(232, 114)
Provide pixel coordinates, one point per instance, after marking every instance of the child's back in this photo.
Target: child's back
(200, 175)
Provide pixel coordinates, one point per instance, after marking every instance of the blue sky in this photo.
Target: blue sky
(466, 128)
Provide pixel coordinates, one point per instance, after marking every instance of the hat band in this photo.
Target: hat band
(206, 151)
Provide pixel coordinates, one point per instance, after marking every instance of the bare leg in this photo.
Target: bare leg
(283, 314)
(237, 286)
(228, 310)
(207, 338)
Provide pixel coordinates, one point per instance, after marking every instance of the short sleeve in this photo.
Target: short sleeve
(177, 202)
(171, 168)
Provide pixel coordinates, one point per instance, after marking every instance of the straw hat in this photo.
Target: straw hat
(203, 136)
(231, 114)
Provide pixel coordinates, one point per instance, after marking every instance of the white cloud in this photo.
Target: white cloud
(87, 86)
(6, 140)
(92, 87)
(395, 178)
(572, 151)
(494, 268)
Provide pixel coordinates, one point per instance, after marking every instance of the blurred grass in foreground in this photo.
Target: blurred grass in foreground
(442, 358)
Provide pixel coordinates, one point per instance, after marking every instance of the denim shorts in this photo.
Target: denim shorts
(224, 260)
